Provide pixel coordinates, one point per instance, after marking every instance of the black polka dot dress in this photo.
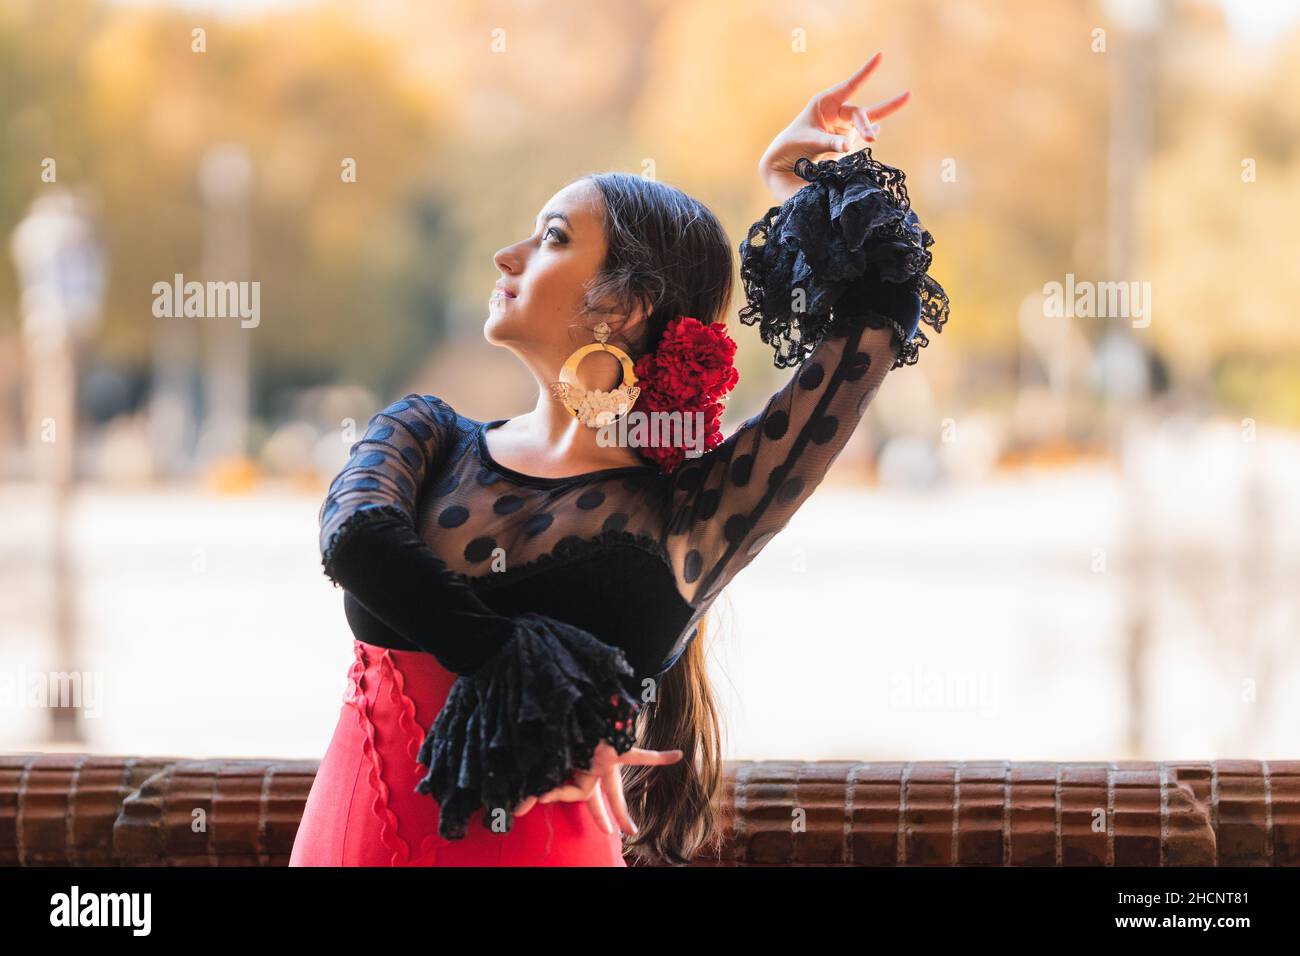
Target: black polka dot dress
(556, 600)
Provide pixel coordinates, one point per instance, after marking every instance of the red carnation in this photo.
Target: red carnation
(691, 371)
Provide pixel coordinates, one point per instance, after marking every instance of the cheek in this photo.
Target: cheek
(552, 290)
(541, 291)
(556, 286)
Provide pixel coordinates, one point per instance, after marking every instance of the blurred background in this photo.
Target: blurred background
(1072, 531)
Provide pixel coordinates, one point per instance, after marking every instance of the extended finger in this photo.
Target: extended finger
(525, 806)
(650, 757)
(572, 792)
(597, 806)
(888, 107)
(614, 789)
(842, 91)
(567, 793)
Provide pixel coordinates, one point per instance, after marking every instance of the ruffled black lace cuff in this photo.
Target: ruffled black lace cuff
(520, 724)
(845, 251)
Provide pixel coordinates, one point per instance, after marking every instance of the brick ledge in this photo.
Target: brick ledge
(92, 810)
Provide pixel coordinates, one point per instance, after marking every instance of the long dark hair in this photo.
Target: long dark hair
(668, 252)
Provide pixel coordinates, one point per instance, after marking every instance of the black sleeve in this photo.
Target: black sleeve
(370, 548)
(836, 279)
(535, 695)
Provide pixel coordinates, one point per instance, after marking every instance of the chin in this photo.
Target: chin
(494, 328)
(504, 328)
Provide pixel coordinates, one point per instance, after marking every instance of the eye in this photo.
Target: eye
(560, 237)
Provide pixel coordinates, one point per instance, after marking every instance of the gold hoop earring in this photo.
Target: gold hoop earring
(593, 407)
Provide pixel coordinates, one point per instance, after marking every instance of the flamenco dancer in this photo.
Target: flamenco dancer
(526, 597)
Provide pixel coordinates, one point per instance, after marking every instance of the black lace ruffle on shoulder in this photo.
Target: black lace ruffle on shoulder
(520, 724)
(851, 244)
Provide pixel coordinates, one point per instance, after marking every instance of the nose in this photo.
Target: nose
(507, 260)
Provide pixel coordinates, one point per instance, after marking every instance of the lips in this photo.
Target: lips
(501, 292)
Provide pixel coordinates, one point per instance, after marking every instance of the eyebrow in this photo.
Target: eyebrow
(555, 214)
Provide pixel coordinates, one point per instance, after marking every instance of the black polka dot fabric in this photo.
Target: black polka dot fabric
(836, 279)
(496, 526)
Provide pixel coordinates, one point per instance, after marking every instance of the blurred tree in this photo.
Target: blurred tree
(462, 118)
(122, 102)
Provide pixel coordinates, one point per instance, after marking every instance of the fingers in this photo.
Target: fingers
(587, 786)
(589, 792)
(648, 758)
(614, 789)
(596, 804)
(588, 789)
(888, 107)
(843, 91)
(864, 118)
(583, 783)
(567, 793)
(570, 793)
(821, 142)
(602, 758)
(857, 115)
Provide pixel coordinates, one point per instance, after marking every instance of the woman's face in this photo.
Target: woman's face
(536, 303)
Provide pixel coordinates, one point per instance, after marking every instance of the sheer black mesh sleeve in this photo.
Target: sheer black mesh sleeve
(369, 545)
(836, 280)
(403, 443)
(535, 695)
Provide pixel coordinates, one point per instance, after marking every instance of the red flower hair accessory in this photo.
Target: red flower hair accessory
(691, 371)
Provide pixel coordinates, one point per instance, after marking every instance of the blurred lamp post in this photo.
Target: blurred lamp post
(225, 182)
(1121, 357)
(62, 270)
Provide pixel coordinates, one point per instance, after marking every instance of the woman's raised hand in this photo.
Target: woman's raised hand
(825, 129)
(604, 771)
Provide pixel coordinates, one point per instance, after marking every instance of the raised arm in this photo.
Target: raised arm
(835, 278)
(536, 696)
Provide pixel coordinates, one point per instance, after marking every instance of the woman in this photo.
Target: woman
(523, 593)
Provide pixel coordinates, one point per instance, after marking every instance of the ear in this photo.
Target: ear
(633, 327)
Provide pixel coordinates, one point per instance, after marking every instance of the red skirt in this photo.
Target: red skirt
(363, 809)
